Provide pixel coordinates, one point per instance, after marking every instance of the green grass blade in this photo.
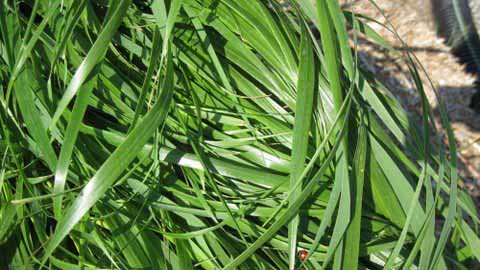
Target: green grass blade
(25, 88)
(301, 128)
(115, 165)
(68, 145)
(95, 55)
(353, 233)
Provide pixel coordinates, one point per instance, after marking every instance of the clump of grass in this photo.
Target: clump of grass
(215, 135)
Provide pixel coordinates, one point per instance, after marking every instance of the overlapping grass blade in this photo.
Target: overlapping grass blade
(81, 103)
(116, 163)
(301, 130)
(277, 141)
(94, 56)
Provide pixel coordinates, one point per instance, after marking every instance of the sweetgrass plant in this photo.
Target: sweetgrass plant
(216, 134)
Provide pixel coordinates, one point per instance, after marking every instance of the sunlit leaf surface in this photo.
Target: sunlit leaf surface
(216, 134)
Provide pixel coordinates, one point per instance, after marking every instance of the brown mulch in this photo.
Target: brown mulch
(413, 22)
